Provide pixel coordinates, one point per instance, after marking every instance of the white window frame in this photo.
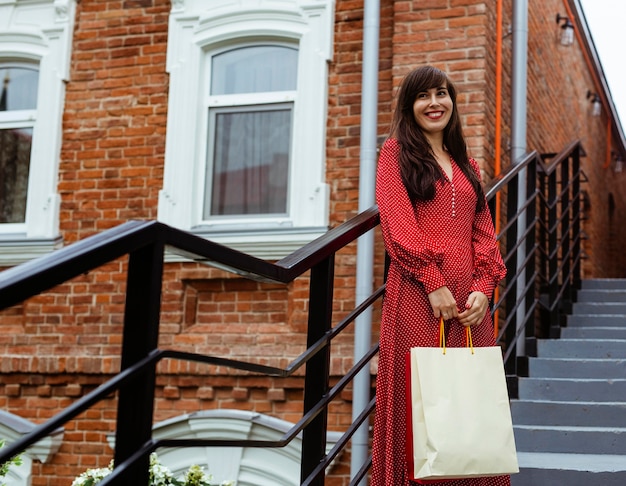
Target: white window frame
(16, 119)
(197, 30)
(231, 103)
(39, 33)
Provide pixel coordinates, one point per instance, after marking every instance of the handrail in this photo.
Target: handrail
(19, 283)
(542, 251)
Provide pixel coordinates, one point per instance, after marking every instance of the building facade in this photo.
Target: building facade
(239, 121)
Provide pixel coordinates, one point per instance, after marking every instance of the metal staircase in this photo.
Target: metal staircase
(570, 417)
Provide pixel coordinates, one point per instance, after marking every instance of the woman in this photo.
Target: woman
(445, 259)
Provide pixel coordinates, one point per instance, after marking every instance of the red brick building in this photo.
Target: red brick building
(134, 109)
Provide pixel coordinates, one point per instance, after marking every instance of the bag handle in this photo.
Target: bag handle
(442, 337)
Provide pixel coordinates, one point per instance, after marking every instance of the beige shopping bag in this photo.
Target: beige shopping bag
(458, 414)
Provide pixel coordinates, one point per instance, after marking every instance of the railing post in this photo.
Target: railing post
(318, 368)
(576, 197)
(553, 257)
(140, 337)
(566, 237)
(511, 271)
(531, 238)
(543, 233)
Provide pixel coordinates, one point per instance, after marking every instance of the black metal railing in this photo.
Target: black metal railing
(542, 249)
(541, 244)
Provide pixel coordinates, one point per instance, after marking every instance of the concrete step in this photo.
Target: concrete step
(572, 390)
(570, 440)
(601, 295)
(570, 418)
(581, 348)
(593, 332)
(553, 469)
(550, 412)
(577, 368)
(604, 283)
(600, 308)
(585, 320)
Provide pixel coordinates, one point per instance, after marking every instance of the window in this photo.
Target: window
(249, 145)
(18, 103)
(34, 65)
(245, 146)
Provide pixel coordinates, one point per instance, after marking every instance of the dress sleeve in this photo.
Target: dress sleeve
(418, 256)
(489, 267)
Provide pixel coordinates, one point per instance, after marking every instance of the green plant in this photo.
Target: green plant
(4, 468)
(160, 475)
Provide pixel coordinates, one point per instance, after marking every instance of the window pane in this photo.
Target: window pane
(255, 69)
(15, 147)
(250, 163)
(19, 88)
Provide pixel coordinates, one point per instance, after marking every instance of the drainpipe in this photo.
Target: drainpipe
(365, 244)
(518, 139)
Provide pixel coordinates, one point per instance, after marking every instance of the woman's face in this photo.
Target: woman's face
(433, 109)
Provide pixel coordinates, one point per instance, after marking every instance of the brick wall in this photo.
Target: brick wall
(560, 112)
(60, 345)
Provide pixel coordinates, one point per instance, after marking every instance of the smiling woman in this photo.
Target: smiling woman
(445, 260)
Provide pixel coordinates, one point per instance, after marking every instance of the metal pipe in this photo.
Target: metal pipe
(518, 138)
(365, 244)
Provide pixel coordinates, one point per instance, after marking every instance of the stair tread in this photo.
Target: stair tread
(569, 402)
(571, 428)
(576, 462)
(608, 328)
(576, 360)
(589, 380)
(583, 340)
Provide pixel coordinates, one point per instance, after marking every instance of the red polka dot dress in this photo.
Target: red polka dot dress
(431, 244)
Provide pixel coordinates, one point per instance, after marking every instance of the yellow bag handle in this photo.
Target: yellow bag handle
(442, 337)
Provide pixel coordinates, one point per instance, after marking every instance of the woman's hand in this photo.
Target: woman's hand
(443, 303)
(476, 308)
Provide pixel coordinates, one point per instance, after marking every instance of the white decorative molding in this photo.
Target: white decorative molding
(267, 245)
(17, 249)
(41, 32)
(248, 466)
(12, 428)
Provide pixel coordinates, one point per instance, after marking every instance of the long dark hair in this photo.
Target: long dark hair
(418, 165)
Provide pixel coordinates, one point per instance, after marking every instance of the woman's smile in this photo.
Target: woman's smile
(435, 115)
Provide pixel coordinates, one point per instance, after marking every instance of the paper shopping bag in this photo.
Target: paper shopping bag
(458, 414)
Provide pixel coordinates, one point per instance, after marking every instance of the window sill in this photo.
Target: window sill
(16, 249)
(266, 244)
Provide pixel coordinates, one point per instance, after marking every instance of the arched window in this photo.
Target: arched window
(248, 466)
(245, 144)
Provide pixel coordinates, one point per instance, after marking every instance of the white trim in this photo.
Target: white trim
(12, 428)
(267, 244)
(41, 32)
(194, 31)
(250, 466)
(17, 249)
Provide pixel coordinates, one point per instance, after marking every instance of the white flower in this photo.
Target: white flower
(160, 475)
(96, 475)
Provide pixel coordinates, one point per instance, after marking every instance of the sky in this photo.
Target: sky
(606, 20)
